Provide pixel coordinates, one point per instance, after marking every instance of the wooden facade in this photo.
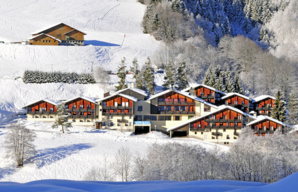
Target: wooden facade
(225, 119)
(42, 107)
(117, 105)
(63, 32)
(44, 40)
(266, 126)
(238, 102)
(209, 95)
(265, 106)
(173, 103)
(80, 108)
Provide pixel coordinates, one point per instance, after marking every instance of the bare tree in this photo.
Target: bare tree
(139, 167)
(122, 163)
(19, 143)
(101, 173)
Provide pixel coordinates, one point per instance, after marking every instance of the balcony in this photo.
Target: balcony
(177, 103)
(265, 108)
(117, 113)
(122, 121)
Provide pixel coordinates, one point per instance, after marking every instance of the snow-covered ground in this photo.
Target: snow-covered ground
(113, 30)
(70, 156)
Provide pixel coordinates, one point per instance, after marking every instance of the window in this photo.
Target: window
(236, 102)
(176, 108)
(168, 108)
(161, 108)
(81, 106)
(239, 117)
(51, 109)
(182, 108)
(207, 108)
(153, 118)
(49, 41)
(88, 106)
(271, 128)
(168, 118)
(74, 106)
(228, 136)
(161, 118)
(177, 118)
(116, 104)
(104, 103)
(147, 118)
(138, 118)
(140, 108)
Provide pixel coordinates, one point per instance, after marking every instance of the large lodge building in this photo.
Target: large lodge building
(200, 112)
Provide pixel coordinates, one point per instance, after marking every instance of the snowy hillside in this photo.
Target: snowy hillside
(106, 23)
(71, 156)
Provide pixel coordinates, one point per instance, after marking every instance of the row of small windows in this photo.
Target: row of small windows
(155, 118)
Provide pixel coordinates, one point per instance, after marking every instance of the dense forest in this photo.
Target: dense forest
(232, 35)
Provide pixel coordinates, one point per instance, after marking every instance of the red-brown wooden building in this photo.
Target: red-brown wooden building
(264, 105)
(238, 101)
(42, 109)
(81, 108)
(119, 104)
(205, 92)
(266, 125)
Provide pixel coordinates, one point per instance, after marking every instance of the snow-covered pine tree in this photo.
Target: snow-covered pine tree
(149, 77)
(279, 111)
(169, 77)
(229, 83)
(122, 75)
(140, 82)
(237, 85)
(61, 118)
(181, 78)
(292, 110)
(208, 75)
(135, 68)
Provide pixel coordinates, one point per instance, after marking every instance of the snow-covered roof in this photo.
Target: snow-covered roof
(45, 35)
(51, 26)
(262, 118)
(122, 95)
(220, 108)
(45, 100)
(184, 94)
(262, 97)
(206, 86)
(81, 97)
(237, 94)
(142, 92)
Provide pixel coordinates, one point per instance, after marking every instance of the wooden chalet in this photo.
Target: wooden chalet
(60, 34)
(209, 94)
(263, 105)
(223, 125)
(172, 102)
(81, 109)
(267, 125)
(238, 101)
(118, 104)
(42, 109)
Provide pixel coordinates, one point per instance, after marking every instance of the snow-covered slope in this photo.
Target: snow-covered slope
(113, 30)
(104, 21)
(71, 156)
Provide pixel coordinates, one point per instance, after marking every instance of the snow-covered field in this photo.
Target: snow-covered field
(72, 155)
(113, 30)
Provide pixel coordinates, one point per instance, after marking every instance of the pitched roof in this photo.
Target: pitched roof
(52, 26)
(81, 97)
(122, 95)
(135, 90)
(206, 86)
(45, 35)
(262, 97)
(184, 94)
(220, 108)
(262, 118)
(237, 94)
(45, 100)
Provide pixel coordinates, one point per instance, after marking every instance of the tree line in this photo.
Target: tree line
(57, 77)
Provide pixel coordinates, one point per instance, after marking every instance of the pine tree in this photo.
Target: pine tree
(135, 68)
(149, 77)
(181, 78)
(122, 75)
(169, 77)
(237, 85)
(229, 83)
(140, 82)
(292, 109)
(208, 75)
(61, 119)
(279, 111)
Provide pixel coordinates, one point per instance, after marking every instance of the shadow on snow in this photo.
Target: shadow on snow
(100, 43)
(6, 171)
(51, 155)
